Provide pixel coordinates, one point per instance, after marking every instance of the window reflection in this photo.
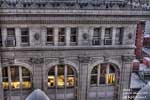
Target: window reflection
(15, 79)
(61, 74)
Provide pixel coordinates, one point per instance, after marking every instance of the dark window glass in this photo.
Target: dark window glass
(74, 32)
(93, 79)
(95, 69)
(25, 35)
(0, 37)
(50, 35)
(61, 36)
(11, 37)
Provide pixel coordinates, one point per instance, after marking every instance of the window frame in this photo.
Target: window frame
(61, 35)
(20, 76)
(50, 34)
(65, 75)
(26, 35)
(98, 74)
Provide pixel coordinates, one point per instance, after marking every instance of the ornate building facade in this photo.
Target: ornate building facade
(70, 49)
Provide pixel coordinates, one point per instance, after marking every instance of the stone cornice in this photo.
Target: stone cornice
(58, 48)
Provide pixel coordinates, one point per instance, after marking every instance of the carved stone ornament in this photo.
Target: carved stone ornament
(130, 36)
(61, 60)
(36, 60)
(36, 36)
(106, 59)
(127, 58)
(85, 36)
(84, 59)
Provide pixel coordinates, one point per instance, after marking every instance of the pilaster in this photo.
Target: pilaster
(56, 36)
(68, 36)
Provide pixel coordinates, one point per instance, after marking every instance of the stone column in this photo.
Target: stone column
(4, 35)
(125, 74)
(83, 78)
(37, 72)
(113, 35)
(1, 86)
(56, 36)
(102, 35)
(18, 36)
(68, 36)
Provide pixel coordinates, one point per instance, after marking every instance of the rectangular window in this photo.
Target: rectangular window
(0, 37)
(11, 37)
(73, 36)
(97, 36)
(50, 36)
(61, 36)
(119, 36)
(24, 36)
(5, 78)
(108, 36)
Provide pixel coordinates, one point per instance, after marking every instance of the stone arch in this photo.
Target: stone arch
(18, 63)
(113, 62)
(73, 65)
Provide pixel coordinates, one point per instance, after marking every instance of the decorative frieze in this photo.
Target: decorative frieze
(84, 59)
(36, 60)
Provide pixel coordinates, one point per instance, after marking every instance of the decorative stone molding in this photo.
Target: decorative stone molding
(36, 60)
(6, 61)
(84, 59)
(128, 58)
(61, 60)
(106, 59)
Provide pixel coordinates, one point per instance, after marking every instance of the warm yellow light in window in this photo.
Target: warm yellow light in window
(51, 81)
(5, 85)
(70, 81)
(15, 85)
(110, 78)
(26, 84)
(60, 80)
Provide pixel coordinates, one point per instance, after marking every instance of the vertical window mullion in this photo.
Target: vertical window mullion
(56, 75)
(107, 73)
(20, 77)
(9, 77)
(98, 77)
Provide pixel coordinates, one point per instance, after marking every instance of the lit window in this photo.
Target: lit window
(15, 79)
(62, 74)
(61, 36)
(11, 37)
(97, 36)
(73, 36)
(24, 36)
(119, 36)
(50, 36)
(108, 36)
(103, 74)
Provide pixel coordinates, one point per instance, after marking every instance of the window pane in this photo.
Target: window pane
(14, 73)
(5, 84)
(111, 69)
(61, 69)
(73, 37)
(51, 81)
(26, 83)
(25, 35)
(111, 78)
(15, 77)
(60, 81)
(5, 72)
(11, 32)
(25, 72)
(70, 81)
(93, 79)
(52, 71)
(50, 31)
(69, 71)
(103, 73)
(95, 69)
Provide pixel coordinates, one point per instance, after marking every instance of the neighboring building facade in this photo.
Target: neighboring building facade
(72, 50)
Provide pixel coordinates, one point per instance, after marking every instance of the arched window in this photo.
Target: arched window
(103, 74)
(61, 76)
(16, 77)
